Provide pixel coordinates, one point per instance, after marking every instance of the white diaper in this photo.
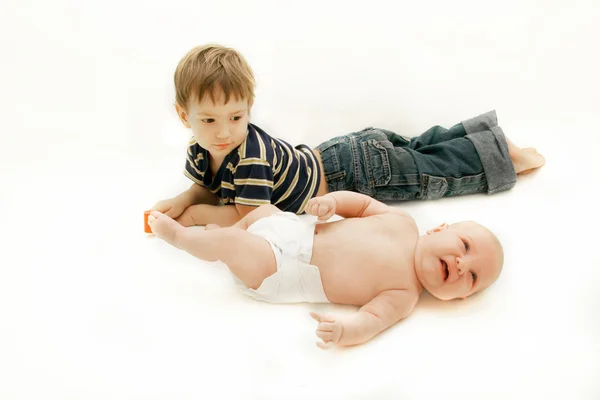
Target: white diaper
(296, 280)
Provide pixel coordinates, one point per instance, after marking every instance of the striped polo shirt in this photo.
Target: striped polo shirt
(261, 170)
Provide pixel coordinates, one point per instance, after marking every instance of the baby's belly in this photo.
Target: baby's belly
(359, 258)
(356, 281)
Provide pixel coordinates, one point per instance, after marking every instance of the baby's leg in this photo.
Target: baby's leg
(263, 211)
(249, 257)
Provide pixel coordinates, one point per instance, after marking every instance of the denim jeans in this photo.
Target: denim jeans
(470, 157)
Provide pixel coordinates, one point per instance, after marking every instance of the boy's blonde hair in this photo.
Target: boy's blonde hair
(212, 67)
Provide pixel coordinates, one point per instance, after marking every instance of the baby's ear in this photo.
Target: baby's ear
(438, 228)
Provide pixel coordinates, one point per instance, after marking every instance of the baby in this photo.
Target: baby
(373, 258)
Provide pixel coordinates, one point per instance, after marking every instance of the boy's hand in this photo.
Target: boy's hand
(329, 330)
(322, 207)
(172, 207)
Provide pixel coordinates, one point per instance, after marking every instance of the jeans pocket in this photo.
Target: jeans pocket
(376, 163)
(434, 187)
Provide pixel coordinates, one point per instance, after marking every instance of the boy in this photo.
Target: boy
(373, 258)
(234, 162)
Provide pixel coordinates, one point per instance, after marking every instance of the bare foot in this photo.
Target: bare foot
(165, 227)
(526, 160)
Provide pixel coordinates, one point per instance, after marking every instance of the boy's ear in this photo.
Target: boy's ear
(438, 228)
(183, 116)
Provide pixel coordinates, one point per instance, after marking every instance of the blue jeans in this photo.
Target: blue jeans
(470, 157)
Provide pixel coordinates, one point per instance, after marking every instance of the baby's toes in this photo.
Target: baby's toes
(155, 214)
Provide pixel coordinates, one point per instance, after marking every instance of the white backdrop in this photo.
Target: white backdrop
(92, 308)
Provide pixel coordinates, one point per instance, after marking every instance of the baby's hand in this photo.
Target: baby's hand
(323, 207)
(330, 329)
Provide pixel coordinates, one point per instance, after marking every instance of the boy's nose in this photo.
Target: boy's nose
(223, 133)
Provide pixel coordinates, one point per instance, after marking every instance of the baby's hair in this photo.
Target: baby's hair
(209, 68)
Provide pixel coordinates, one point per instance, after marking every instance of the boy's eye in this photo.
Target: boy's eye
(474, 276)
(236, 118)
(466, 246)
(208, 120)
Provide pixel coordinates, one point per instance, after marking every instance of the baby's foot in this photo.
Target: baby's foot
(526, 160)
(165, 227)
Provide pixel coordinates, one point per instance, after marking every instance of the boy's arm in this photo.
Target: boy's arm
(347, 204)
(383, 311)
(197, 194)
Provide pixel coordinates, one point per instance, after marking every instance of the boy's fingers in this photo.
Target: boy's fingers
(171, 212)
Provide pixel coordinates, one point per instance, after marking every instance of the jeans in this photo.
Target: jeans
(470, 157)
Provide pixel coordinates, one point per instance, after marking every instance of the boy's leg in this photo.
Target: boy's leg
(471, 157)
(473, 146)
(249, 257)
(524, 160)
(433, 135)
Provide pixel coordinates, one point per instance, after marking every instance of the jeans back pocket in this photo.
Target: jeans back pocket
(376, 164)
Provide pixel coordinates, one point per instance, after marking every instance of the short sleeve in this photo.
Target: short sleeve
(194, 164)
(253, 180)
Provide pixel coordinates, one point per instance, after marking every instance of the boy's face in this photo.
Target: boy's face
(458, 260)
(218, 127)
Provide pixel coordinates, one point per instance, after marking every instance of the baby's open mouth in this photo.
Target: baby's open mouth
(445, 271)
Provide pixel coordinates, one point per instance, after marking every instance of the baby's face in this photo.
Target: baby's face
(218, 127)
(458, 260)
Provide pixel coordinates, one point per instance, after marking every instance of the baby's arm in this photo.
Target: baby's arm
(383, 311)
(348, 204)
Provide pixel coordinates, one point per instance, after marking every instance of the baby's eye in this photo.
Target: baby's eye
(474, 276)
(236, 118)
(208, 120)
(466, 246)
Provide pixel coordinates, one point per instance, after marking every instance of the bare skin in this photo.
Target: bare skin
(374, 258)
(524, 160)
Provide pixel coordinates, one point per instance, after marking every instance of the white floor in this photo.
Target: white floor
(92, 308)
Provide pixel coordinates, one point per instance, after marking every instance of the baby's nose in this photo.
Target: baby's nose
(460, 266)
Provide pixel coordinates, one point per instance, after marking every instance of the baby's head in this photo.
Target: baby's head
(455, 261)
(214, 88)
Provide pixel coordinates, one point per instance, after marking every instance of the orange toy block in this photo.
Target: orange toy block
(146, 226)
